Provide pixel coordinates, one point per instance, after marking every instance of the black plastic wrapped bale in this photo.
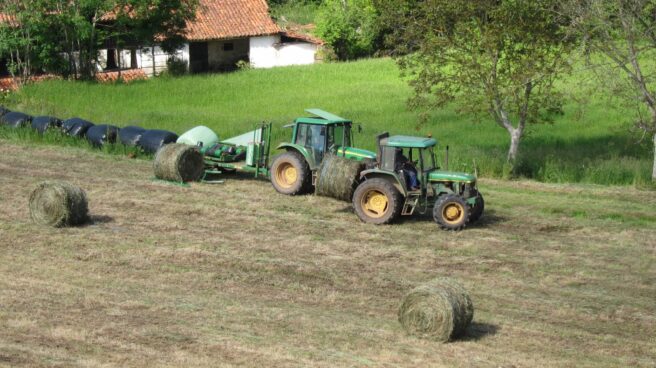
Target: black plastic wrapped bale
(439, 310)
(130, 135)
(98, 135)
(338, 177)
(152, 140)
(43, 123)
(179, 162)
(16, 119)
(4, 110)
(76, 127)
(58, 204)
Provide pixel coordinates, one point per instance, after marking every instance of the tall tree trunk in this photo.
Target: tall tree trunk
(515, 138)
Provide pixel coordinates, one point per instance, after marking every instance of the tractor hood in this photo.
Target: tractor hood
(356, 153)
(440, 175)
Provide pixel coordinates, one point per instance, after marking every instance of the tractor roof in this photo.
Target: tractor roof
(322, 117)
(404, 141)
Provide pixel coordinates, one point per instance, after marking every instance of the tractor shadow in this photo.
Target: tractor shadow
(490, 217)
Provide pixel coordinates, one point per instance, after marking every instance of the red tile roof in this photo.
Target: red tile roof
(4, 18)
(221, 19)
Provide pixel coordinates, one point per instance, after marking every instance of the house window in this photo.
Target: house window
(228, 46)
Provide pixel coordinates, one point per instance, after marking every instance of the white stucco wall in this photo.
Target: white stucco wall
(268, 52)
(220, 58)
(263, 53)
(296, 53)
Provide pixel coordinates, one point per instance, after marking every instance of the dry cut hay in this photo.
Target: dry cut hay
(338, 177)
(438, 310)
(178, 162)
(58, 204)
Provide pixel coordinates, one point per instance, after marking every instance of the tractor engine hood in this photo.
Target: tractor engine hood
(356, 153)
(440, 175)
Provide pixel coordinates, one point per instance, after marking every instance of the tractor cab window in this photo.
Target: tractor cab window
(339, 135)
(428, 159)
(312, 137)
(388, 161)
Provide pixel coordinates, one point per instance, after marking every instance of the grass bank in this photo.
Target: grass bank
(590, 143)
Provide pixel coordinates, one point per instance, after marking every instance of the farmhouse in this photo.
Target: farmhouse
(224, 33)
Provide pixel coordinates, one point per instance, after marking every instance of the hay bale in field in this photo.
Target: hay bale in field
(130, 135)
(76, 127)
(338, 177)
(58, 204)
(43, 123)
(152, 140)
(98, 135)
(438, 310)
(16, 119)
(179, 162)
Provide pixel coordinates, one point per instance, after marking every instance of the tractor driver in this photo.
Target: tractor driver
(409, 170)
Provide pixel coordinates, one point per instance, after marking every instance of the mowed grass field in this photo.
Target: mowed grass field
(236, 274)
(590, 143)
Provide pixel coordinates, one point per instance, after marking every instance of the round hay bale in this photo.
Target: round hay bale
(16, 119)
(152, 140)
(58, 204)
(178, 162)
(43, 123)
(130, 135)
(438, 310)
(338, 177)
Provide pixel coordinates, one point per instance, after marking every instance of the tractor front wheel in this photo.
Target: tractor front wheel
(477, 208)
(451, 212)
(377, 201)
(290, 173)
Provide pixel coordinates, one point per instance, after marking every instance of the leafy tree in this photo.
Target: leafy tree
(350, 27)
(78, 29)
(492, 57)
(624, 31)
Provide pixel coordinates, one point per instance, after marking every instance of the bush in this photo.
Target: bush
(350, 27)
(176, 67)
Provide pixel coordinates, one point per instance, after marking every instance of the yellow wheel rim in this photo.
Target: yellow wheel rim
(286, 175)
(374, 203)
(453, 213)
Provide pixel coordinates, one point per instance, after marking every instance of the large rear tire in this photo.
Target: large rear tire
(477, 208)
(377, 201)
(290, 174)
(451, 212)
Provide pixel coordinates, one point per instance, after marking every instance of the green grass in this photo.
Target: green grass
(589, 144)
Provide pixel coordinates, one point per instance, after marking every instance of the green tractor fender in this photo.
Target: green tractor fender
(398, 183)
(301, 150)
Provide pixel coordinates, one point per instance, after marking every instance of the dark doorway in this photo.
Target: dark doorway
(198, 57)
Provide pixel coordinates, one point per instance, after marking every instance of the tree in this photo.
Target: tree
(624, 31)
(492, 57)
(49, 29)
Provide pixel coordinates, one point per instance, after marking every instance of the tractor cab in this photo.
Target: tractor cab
(324, 132)
(295, 171)
(406, 179)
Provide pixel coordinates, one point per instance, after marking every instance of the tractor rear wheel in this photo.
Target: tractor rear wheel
(290, 174)
(477, 208)
(377, 201)
(451, 212)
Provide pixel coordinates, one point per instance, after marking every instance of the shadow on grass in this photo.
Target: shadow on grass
(478, 330)
(99, 219)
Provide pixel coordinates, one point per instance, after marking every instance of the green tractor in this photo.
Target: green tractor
(384, 192)
(295, 170)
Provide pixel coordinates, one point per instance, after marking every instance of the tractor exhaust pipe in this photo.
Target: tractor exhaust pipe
(446, 159)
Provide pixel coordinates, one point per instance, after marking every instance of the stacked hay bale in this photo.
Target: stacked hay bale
(58, 204)
(438, 310)
(179, 162)
(338, 177)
